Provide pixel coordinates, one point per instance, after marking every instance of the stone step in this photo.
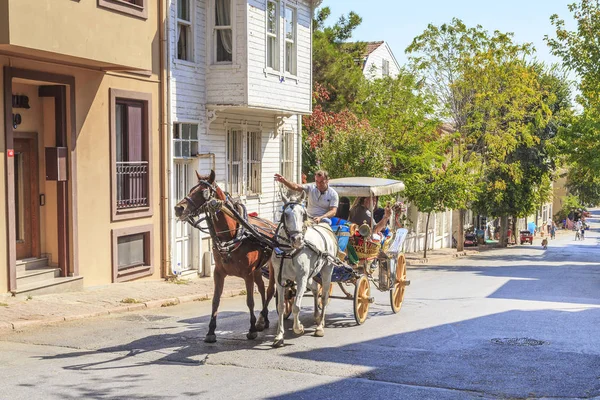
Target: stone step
(31, 263)
(37, 275)
(50, 286)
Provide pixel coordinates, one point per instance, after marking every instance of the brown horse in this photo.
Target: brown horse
(238, 256)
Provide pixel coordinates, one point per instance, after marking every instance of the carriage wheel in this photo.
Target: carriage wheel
(397, 291)
(289, 298)
(320, 292)
(362, 299)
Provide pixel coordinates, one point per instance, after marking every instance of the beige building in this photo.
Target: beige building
(82, 85)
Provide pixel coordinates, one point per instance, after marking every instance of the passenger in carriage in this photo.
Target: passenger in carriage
(343, 211)
(361, 213)
(323, 201)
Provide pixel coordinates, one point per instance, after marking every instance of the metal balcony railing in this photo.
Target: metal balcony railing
(132, 184)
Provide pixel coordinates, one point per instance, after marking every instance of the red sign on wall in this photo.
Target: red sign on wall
(10, 153)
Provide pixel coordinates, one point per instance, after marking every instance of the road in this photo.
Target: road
(513, 323)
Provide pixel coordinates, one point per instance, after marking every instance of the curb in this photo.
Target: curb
(6, 327)
(421, 261)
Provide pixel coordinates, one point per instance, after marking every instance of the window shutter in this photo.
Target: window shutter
(135, 139)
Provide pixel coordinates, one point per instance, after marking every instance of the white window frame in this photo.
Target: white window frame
(243, 160)
(286, 155)
(216, 29)
(277, 36)
(193, 143)
(253, 161)
(385, 67)
(293, 71)
(190, 57)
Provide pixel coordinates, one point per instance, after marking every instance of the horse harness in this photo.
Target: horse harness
(283, 255)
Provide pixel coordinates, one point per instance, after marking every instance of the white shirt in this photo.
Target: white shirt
(319, 203)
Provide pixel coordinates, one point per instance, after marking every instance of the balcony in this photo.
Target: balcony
(132, 185)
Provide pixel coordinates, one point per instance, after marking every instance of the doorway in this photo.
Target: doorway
(26, 187)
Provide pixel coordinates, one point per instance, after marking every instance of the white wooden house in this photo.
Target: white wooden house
(379, 61)
(240, 79)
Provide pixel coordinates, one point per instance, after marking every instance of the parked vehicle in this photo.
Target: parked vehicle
(526, 237)
(470, 239)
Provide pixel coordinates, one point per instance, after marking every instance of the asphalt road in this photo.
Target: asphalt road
(516, 323)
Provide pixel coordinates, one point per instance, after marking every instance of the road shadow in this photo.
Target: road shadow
(501, 355)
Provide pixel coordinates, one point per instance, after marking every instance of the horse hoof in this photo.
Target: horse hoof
(266, 324)
(252, 335)
(319, 333)
(299, 331)
(260, 326)
(277, 343)
(210, 339)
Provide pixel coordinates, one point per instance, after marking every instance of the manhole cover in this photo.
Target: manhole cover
(519, 341)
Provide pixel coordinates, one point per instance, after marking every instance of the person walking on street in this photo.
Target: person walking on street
(322, 200)
(578, 230)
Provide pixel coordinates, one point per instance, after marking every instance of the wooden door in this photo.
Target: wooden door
(27, 223)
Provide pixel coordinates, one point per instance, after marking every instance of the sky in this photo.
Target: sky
(399, 21)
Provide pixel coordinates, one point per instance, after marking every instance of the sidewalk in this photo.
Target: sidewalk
(17, 313)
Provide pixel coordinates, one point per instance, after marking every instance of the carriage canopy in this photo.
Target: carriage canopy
(365, 186)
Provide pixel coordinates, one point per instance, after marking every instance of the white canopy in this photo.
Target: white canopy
(365, 186)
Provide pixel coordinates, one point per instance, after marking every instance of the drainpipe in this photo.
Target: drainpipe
(165, 107)
(299, 149)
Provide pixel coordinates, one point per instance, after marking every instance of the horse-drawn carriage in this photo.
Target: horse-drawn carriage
(302, 255)
(374, 261)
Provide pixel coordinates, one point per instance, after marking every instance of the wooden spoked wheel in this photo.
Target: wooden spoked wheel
(399, 285)
(320, 293)
(362, 299)
(289, 298)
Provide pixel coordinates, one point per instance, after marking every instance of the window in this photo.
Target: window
(234, 161)
(137, 8)
(290, 40)
(287, 155)
(185, 140)
(130, 154)
(385, 67)
(254, 161)
(273, 35)
(223, 33)
(244, 161)
(132, 253)
(184, 31)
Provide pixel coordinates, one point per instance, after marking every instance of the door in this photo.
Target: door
(184, 247)
(27, 223)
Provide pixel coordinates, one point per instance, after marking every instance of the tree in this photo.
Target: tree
(439, 189)
(580, 140)
(477, 78)
(334, 61)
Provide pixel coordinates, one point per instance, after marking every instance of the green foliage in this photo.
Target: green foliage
(579, 141)
(402, 109)
(356, 150)
(334, 65)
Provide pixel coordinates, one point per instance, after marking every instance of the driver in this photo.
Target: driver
(322, 200)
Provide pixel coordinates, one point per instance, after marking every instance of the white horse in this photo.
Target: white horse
(314, 248)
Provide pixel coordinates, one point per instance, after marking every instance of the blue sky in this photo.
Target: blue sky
(399, 21)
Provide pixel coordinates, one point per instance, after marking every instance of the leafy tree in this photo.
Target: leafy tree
(334, 61)
(580, 140)
(476, 76)
(439, 189)
(400, 107)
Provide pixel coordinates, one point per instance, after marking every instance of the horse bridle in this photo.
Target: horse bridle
(288, 232)
(206, 194)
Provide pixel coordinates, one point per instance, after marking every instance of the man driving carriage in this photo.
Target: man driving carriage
(322, 200)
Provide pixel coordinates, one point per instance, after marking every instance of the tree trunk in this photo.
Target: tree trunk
(514, 229)
(460, 240)
(503, 229)
(426, 234)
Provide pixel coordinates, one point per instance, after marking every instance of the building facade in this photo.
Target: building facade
(81, 143)
(239, 81)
